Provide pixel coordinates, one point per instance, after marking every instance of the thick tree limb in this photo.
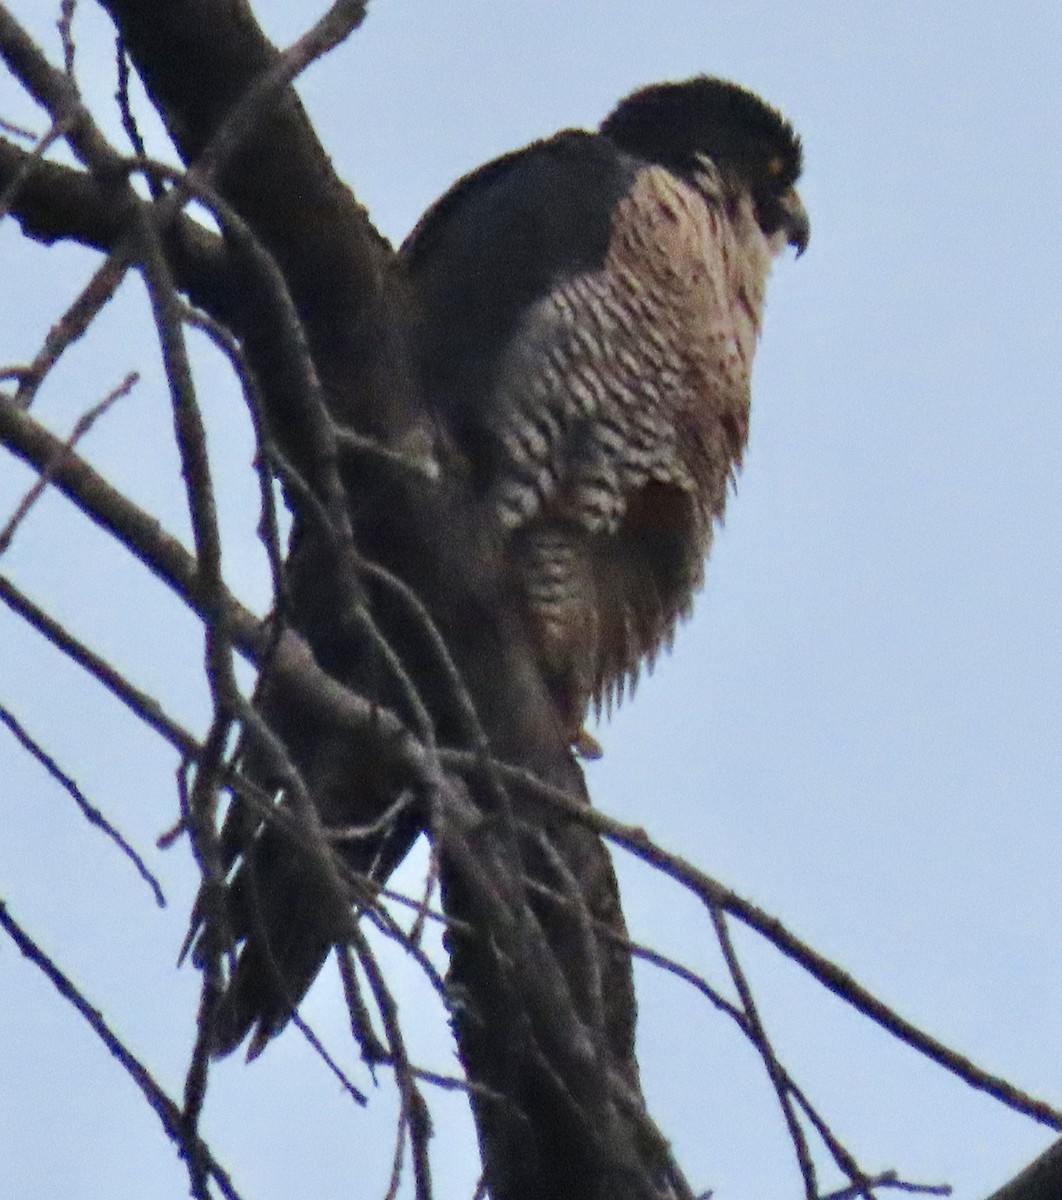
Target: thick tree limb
(1041, 1180)
(197, 59)
(108, 508)
(55, 203)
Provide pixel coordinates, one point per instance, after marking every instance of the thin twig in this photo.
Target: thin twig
(195, 470)
(341, 834)
(456, 687)
(128, 524)
(889, 1179)
(72, 325)
(17, 131)
(380, 1054)
(165, 1109)
(125, 110)
(88, 810)
(431, 880)
(391, 929)
(574, 902)
(358, 445)
(635, 840)
(356, 1094)
(398, 1157)
(143, 706)
(414, 1110)
(759, 1038)
(82, 426)
(66, 35)
(372, 1048)
(269, 526)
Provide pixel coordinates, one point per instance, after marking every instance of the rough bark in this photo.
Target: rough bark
(1041, 1180)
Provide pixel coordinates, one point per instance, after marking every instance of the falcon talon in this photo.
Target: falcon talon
(587, 746)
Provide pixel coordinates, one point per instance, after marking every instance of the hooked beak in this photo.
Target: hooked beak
(795, 221)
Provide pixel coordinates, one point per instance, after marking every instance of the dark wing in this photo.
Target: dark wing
(484, 254)
(279, 908)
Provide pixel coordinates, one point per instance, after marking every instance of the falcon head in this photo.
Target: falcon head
(751, 145)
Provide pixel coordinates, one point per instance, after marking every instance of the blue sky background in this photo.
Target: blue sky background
(860, 727)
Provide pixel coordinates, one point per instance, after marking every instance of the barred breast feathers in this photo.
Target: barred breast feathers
(622, 408)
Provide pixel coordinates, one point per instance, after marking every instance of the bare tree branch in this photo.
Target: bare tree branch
(90, 812)
(635, 840)
(135, 529)
(27, 165)
(83, 424)
(71, 326)
(758, 1036)
(165, 1109)
(145, 707)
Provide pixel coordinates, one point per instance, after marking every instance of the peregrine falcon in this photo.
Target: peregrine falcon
(584, 313)
(587, 312)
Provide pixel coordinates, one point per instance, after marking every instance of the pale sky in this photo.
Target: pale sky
(860, 728)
